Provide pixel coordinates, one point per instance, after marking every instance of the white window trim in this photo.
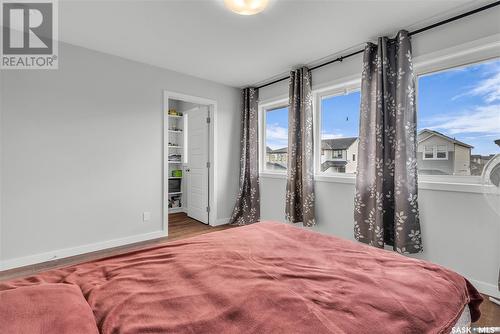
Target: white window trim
(263, 108)
(452, 183)
(337, 90)
(479, 51)
(474, 52)
(434, 153)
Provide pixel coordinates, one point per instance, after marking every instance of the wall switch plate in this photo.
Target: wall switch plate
(146, 216)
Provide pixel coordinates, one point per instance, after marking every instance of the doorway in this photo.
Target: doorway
(197, 163)
(188, 159)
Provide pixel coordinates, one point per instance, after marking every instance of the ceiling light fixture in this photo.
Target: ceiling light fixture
(246, 7)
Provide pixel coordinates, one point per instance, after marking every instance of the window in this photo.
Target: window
(458, 119)
(337, 154)
(438, 152)
(429, 152)
(441, 152)
(338, 140)
(276, 139)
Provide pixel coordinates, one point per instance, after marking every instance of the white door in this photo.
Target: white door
(196, 165)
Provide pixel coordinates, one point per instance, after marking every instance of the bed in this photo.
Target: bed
(267, 278)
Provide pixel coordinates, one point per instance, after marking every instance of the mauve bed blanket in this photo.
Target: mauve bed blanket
(267, 278)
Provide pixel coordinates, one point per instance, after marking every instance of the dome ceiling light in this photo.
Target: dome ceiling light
(246, 7)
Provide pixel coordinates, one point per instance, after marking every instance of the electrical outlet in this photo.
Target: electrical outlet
(146, 216)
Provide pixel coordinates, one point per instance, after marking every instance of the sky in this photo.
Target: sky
(277, 128)
(463, 103)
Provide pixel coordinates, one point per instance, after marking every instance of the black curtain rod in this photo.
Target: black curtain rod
(411, 33)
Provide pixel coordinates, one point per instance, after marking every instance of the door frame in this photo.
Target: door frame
(212, 154)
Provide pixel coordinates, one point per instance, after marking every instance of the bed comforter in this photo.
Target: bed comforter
(267, 278)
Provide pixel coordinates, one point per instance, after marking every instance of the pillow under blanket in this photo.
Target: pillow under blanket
(46, 309)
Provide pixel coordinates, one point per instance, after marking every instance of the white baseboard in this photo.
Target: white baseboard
(218, 222)
(486, 288)
(176, 210)
(67, 252)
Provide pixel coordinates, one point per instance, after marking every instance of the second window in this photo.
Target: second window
(339, 115)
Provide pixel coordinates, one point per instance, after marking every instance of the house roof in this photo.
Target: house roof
(439, 134)
(334, 163)
(337, 143)
(280, 150)
(479, 156)
(274, 165)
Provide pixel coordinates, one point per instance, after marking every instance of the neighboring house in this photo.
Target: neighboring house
(478, 162)
(339, 155)
(279, 155)
(276, 159)
(438, 154)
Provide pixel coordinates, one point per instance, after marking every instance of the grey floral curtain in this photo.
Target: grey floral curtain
(247, 208)
(385, 204)
(299, 207)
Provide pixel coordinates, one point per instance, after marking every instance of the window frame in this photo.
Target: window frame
(441, 151)
(332, 91)
(476, 52)
(435, 153)
(468, 57)
(337, 156)
(427, 151)
(263, 109)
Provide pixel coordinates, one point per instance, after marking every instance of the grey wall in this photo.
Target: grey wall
(460, 230)
(1, 165)
(82, 152)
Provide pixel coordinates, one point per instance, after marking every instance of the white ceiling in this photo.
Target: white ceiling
(203, 39)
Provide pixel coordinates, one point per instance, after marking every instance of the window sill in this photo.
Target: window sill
(339, 178)
(451, 186)
(451, 183)
(272, 175)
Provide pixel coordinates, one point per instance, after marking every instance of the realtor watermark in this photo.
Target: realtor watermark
(29, 34)
(474, 330)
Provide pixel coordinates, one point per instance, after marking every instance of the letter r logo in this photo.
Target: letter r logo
(27, 28)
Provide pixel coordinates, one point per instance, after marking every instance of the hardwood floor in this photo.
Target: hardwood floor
(490, 314)
(180, 227)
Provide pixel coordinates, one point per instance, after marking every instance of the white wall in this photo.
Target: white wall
(462, 160)
(460, 231)
(82, 153)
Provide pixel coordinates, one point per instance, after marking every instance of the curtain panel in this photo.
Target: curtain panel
(299, 206)
(247, 207)
(385, 204)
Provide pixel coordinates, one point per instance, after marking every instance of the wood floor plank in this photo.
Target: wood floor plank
(490, 314)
